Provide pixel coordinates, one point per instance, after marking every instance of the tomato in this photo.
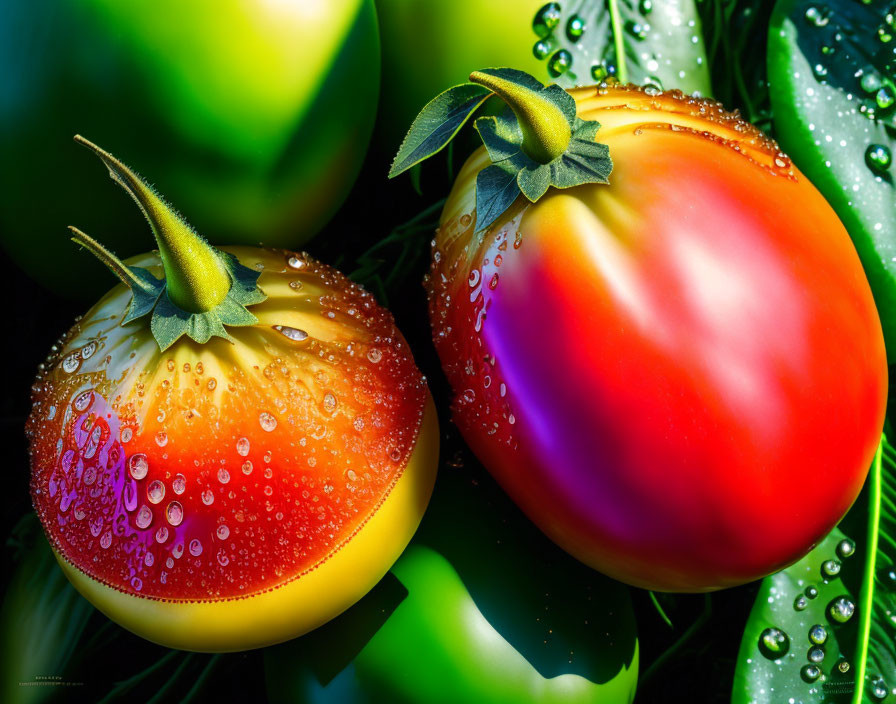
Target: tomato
(257, 115)
(483, 610)
(679, 376)
(247, 478)
(433, 50)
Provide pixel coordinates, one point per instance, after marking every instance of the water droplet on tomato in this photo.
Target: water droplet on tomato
(195, 547)
(175, 513)
(106, 540)
(293, 334)
(329, 402)
(267, 421)
(71, 363)
(161, 438)
(144, 517)
(223, 532)
(294, 262)
(247, 467)
(155, 492)
(161, 534)
(179, 484)
(208, 497)
(223, 475)
(374, 355)
(773, 643)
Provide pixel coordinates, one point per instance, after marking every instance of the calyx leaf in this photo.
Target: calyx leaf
(535, 143)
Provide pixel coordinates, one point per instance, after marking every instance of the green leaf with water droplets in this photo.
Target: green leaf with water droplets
(437, 123)
(655, 42)
(834, 104)
(853, 601)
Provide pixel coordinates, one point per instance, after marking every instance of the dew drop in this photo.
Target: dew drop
(267, 421)
(329, 402)
(830, 568)
(71, 363)
(223, 532)
(845, 548)
(295, 263)
(773, 643)
(810, 673)
(144, 517)
(195, 547)
(559, 63)
(815, 654)
(223, 475)
(161, 438)
(575, 28)
(546, 19)
(138, 466)
(242, 447)
(878, 157)
(843, 666)
(293, 334)
(137, 583)
(175, 513)
(818, 634)
(374, 355)
(161, 534)
(543, 48)
(817, 17)
(801, 602)
(811, 591)
(179, 484)
(223, 560)
(247, 467)
(493, 284)
(148, 559)
(208, 497)
(155, 492)
(878, 688)
(82, 401)
(106, 540)
(841, 609)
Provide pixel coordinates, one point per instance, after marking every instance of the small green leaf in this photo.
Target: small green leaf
(437, 124)
(503, 140)
(496, 190)
(144, 299)
(244, 288)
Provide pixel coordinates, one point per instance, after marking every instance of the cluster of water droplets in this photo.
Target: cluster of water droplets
(575, 38)
(862, 67)
(809, 647)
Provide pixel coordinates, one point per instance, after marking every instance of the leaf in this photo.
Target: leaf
(437, 124)
(585, 161)
(655, 42)
(829, 75)
(496, 190)
(846, 578)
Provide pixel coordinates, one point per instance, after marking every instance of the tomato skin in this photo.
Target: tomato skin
(684, 375)
(255, 116)
(236, 493)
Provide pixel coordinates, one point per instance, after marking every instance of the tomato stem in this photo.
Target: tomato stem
(546, 130)
(196, 277)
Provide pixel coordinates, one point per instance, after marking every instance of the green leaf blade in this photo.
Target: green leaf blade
(821, 106)
(437, 124)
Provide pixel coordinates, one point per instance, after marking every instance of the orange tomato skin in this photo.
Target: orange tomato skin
(680, 377)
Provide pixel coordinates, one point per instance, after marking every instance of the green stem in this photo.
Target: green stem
(866, 598)
(118, 267)
(546, 131)
(196, 278)
(618, 41)
(659, 609)
(657, 664)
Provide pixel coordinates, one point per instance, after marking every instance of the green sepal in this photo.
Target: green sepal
(437, 123)
(169, 322)
(144, 298)
(584, 161)
(496, 190)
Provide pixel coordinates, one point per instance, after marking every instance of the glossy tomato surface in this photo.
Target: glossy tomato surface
(237, 493)
(680, 377)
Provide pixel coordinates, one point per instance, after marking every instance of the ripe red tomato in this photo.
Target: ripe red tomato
(680, 377)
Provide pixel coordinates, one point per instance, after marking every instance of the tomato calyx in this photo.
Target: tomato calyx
(535, 143)
(202, 289)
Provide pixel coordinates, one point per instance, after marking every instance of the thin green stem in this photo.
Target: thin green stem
(678, 644)
(115, 265)
(659, 609)
(618, 41)
(162, 692)
(866, 598)
(200, 680)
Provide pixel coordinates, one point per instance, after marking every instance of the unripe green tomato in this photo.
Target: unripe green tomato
(255, 115)
(430, 48)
